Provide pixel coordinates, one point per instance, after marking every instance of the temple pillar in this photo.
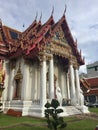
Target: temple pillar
(11, 84)
(68, 89)
(35, 86)
(51, 78)
(77, 85)
(72, 81)
(25, 83)
(43, 82)
(63, 85)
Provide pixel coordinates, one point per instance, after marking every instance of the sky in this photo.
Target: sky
(82, 18)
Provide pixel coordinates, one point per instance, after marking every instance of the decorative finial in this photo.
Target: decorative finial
(80, 51)
(40, 17)
(0, 21)
(83, 59)
(76, 42)
(65, 9)
(36, 15)
(52, 11)
(23, 25)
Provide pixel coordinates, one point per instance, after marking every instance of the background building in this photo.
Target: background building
(92, 69)
(89, 84)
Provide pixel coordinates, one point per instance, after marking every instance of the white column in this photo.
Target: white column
(73, 96)
(25, 83)
(38, 83)
(77, 85)
(68, 89)
(6, 81)
(43, 83)
(63, 85)
(35, 87)
(51, 78)
(11, 84)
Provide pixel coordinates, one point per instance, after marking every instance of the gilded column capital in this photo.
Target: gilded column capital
(70, 62)
(76, 67)
(42, 58)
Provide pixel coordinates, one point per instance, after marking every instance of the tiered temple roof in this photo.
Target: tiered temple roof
(35, 39)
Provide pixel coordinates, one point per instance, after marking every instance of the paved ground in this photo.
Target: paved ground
(88, 116)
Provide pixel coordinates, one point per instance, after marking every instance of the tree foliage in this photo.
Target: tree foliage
(51, 113)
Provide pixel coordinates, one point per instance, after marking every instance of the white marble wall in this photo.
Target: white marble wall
(35, 82)
(6, 82)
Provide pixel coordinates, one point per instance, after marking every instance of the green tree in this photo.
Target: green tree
(51, 113)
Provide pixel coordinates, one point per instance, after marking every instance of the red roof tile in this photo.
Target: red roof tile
(93, 81)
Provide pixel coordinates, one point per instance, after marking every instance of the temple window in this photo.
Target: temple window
(13, 34)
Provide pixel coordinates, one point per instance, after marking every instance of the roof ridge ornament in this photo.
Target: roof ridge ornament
(52, 11)
(0, 22)
(65, 9)
(36, 16)
(76, 42)
(80, 52)
(40, 17)
(83, 58)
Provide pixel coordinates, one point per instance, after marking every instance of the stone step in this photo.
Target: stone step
(70, 110)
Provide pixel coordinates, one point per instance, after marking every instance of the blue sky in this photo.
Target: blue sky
(82, 17)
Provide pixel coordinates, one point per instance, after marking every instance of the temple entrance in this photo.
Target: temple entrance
(17, 89)
(18, 84)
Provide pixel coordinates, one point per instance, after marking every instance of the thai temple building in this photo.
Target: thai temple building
(38, 65)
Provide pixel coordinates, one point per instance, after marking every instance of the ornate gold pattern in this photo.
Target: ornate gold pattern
(59, 35)
(19, 74)
(44, 56)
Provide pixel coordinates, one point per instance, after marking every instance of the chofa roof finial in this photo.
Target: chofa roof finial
(80, 52)
(0, 21)
(40, 17)
(76, 42)
(36, 16)
(65, 9)
(52, 11)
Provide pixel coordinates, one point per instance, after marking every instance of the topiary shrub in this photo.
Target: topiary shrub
(0, 107)
(51, 113)
(1, 90)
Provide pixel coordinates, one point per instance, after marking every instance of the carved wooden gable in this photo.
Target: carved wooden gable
(60, 44)
(59, 35)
